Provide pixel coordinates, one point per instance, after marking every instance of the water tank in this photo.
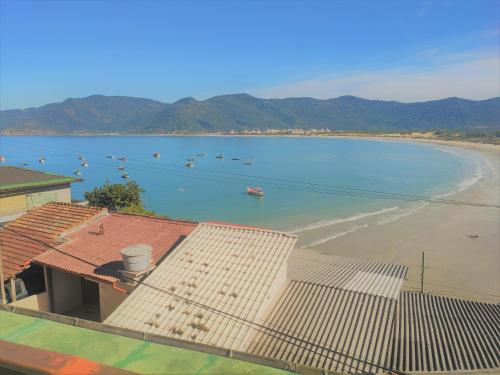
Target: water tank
(136, 258)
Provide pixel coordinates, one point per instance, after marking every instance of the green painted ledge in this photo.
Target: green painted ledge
(26, 185)
(118, 351)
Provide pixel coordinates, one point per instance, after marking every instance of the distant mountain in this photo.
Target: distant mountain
(120, 114)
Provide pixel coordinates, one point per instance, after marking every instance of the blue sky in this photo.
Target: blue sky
(165, 50)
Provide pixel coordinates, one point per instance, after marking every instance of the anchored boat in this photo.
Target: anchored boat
(255, 191)
(189, 164)
(220, 156)
(77, 172)
(85, 164)
(248, 162)
(2, 159)
(156, 155)
(190, 159)
(125, 176)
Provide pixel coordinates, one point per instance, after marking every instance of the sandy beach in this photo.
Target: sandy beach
(455, 264)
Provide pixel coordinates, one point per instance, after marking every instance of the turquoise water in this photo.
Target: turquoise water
(215, 189)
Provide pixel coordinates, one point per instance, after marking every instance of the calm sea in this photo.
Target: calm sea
(292, 171)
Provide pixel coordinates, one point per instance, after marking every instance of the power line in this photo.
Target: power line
(283, 336)
(286, 184)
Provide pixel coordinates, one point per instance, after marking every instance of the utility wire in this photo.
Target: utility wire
(283, 336)
(238, 178)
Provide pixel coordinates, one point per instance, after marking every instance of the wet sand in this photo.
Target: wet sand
(455, 264)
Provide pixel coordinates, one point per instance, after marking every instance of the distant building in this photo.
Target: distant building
(23, 189)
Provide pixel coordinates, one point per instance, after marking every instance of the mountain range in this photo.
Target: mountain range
(122, 114)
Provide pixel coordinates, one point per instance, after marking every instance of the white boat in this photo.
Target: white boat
(156, 155)
(77, 172)
(125, 176)
(201, 154)
(255, 191)
(220, 156)
(42, 160)
(248, 162)
(189, 164)
(85, 164)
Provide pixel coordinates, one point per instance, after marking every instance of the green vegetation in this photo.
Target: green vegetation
(124, 198)
(240, 112)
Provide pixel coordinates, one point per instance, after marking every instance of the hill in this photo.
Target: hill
(119, 114)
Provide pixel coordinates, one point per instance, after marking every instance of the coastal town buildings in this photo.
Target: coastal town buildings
(23, 189)
(235, 291)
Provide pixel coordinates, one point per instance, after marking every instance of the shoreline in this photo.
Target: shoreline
(456, 265)
(396, 137)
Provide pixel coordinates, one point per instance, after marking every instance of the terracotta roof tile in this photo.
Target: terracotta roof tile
(35, 232)
(87, 253)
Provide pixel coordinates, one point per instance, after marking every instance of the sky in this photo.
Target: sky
(166, 50)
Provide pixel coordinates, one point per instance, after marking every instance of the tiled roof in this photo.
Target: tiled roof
(13, 178)
(358, 275)
(36, 231)
(229, 269)
(435, 333)
(87, 252)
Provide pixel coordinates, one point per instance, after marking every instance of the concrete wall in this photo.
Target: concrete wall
(31, 198)
(12, 205)
(109, 299)
(38, 302)
(66, 291)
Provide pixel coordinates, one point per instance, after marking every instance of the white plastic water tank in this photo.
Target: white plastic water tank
(136, 258)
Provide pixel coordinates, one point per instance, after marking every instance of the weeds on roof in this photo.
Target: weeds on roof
(176, 331)
(198, 315)
(233, 294)
(200, 326)
(170, 307)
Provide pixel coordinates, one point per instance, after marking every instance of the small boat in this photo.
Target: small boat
(189, 164)
(122, 158)
(190, 159)
(77, 172)
(255, 191)
(201, 154)
(85, 164)
(248, 162)
(110, 156)
(220, 156)
(121, 168)
(2, 159)
(235, 158)
(25, 163)
(125, 176)
(42, 160)
(156, 155)
(81, 157)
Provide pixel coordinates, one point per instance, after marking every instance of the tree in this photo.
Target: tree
(116, 197)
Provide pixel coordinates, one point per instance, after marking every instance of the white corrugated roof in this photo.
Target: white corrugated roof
(357, 275)
(228, 268)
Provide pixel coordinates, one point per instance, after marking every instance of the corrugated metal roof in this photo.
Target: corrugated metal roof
(35, 232)
(340, 325)
(358, 275)
(435, 333)
(231, 269)
(91, 253)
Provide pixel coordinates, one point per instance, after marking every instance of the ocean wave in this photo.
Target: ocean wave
(335, 235)
(327, 223)
(396, 217)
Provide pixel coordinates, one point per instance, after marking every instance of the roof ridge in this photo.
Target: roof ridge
(154, 217)
(241, 226)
